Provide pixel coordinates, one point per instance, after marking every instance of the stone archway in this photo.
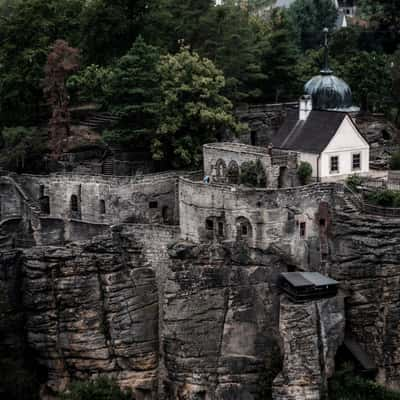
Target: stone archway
(244, 230)
(220, 169)
(233, 173)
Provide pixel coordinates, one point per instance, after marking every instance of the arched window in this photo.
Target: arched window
(74, 203)
(233, 173)
(220, 167)
(102, 207)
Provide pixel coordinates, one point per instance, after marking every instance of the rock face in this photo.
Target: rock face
(366, 259)
(93, 309)
(220, 324)
(311, 334)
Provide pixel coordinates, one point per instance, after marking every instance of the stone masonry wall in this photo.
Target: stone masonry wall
(275, 216)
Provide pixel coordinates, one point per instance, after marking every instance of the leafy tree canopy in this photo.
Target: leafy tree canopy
(193, 110)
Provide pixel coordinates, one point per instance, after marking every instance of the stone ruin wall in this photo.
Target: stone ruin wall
(274, 217)
(235, 154)
(126, 199)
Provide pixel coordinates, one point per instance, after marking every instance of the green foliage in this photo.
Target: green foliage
(27, 34)
(354, 181)
(225, 32)
(193, 110)
(133, 93)
(309, 18)
(345, 385)
(280, 56)
(304, 172)
(395, 162)
(89, 84)
(384, 198)
(252, 173)
(23, 149)
(100, 389)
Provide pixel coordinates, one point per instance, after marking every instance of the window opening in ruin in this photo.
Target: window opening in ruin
(283, 177)
(245, 230)
(253, 138)
(233, 173)
(153, 204)
(220, 167)
(74, 203)
(356, 162)
(165, 213)
(41, 191)
(302, 229)
(220, 228)
(322, 222)
(45, 205)
(102, 207)
(334, 164)
(209, 224)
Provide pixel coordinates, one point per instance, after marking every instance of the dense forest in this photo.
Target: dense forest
(173, 70)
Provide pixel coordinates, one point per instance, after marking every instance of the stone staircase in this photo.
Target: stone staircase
(99, 121)
(108, 167)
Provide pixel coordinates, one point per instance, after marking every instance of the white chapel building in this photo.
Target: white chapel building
(322, 131)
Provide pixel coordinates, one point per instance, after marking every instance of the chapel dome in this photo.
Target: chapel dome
(328, 92)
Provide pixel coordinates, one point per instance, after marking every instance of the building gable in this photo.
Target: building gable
(347, 137)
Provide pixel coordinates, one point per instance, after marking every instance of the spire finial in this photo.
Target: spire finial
(326, 70)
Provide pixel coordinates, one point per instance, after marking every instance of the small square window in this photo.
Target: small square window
(244, 230)
(334, 164)
(356, 163)
(302, 229)
(322, 222)
(153, 204)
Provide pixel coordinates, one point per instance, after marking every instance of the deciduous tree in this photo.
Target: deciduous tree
(61, 62)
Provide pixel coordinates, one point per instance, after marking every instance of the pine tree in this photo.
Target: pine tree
(132, 93)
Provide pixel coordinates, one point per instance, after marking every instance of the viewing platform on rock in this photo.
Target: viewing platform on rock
(307, 286)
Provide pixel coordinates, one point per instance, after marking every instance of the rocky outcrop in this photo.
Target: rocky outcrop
(93, 309)
(311, 334)
(366, 259)
(220, 325)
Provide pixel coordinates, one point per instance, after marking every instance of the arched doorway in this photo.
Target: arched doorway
(244, 230)
(283, 177)
(220, 168)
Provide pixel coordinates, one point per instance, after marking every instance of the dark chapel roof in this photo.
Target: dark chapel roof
(311, 135)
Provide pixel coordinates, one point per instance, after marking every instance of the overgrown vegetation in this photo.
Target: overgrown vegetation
(147, 61)
(252, 173)
(384, 198)
(345, 385)
(304, 172)
(354, 182)
(100, 389)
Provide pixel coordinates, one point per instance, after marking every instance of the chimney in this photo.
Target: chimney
(305, 107)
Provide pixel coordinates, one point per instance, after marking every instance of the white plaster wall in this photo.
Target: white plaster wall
(344, 144)
(312, 159)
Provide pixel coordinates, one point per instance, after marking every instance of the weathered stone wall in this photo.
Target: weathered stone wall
(229, 153)
(275, 216)
(151, 199)
(366, 260)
